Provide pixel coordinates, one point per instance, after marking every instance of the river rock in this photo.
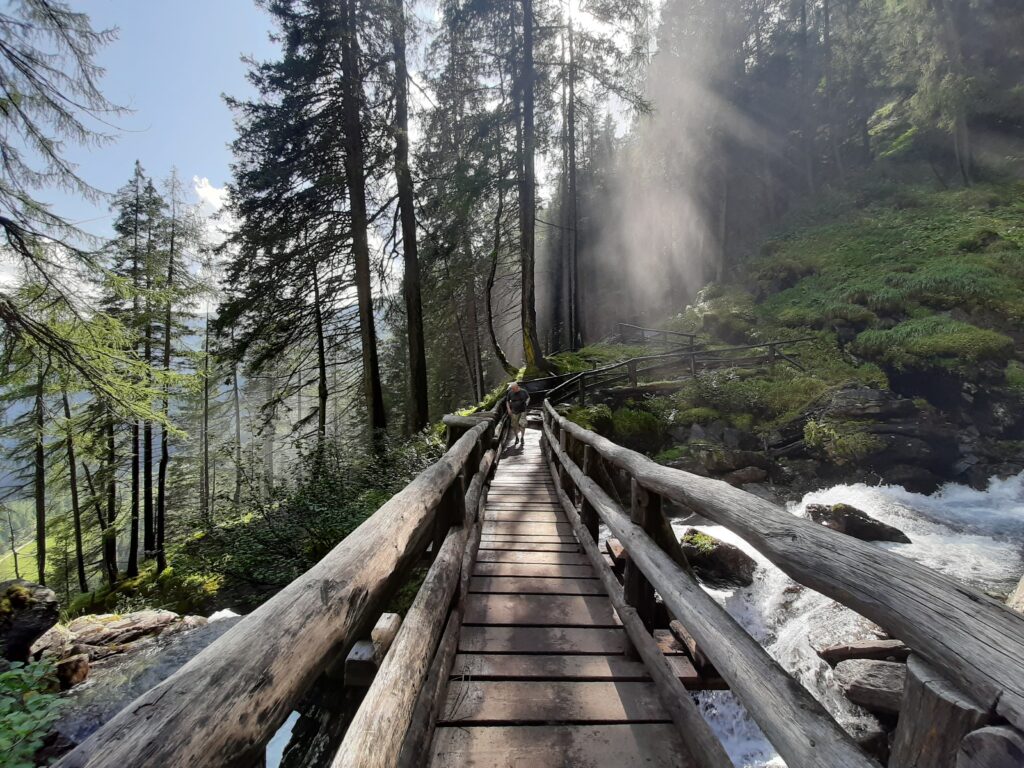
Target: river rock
(853, 522)
(1016, 599)
(120, 679)
(875, 685)
(869, 403)
(55, 643)
(719, 460)
(716, 563)
(914, 479)
(72, 670)
(880, 650)
(745, 476)
(114, 629)
(27, 611)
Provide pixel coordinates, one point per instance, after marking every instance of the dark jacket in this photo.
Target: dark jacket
(518, 401)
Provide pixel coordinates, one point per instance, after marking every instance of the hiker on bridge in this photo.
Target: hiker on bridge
(516, 402)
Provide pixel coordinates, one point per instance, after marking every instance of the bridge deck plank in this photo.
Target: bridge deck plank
(541, 676)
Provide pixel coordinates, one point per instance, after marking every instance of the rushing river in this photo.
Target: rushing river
(974, 536)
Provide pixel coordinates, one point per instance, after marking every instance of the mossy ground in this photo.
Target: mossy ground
(884, 278)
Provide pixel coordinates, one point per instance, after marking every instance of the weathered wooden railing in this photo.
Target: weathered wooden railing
(628, 332)
(222, 707)
(632, 370)
(965, 684)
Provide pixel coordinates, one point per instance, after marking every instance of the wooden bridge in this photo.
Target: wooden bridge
(522, 647)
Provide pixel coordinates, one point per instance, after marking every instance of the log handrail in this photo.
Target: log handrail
(976, 641)
(799, 727)
(225, 704)
(579, 383)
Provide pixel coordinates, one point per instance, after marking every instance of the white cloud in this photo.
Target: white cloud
(211, 198)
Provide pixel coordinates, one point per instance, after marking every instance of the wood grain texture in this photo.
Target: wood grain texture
(553, 746)
(519, 701)
(934, 718)
(977, 640)
(545, 570)
(540, 610)
(491, 666)
(272, 656)
(551, 558)
(995, 747)
(704, 747)
(802, 731)
(558, 640)
(534, 586)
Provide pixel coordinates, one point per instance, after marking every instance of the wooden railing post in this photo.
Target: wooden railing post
(644, 509)
(451, 511)
(771, 353)
(934, 718)
(582, 393)
(631, 367)
(588, 515)
(693, 363)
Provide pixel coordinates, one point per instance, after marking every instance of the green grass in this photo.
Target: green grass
(935, 342)
(596, 355)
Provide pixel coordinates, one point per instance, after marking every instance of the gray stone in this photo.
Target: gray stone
(746, 475)
(72, 670)
(697, 432)
(112, 629)
(875, 685)
(27, 611)
(716, 563)
(853, 522)
(868, 403)
(55, 643)
(1016, 599)
(115, 682)
(880, 650)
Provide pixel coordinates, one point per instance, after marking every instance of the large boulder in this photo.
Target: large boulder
(716, 563)
(869, 403)
(27, 611)
(877, 649)
(875, 685)
(119, 679)
(114, 629)
(745, 476)
(853, 522)
(719, 460)
(1016, 599)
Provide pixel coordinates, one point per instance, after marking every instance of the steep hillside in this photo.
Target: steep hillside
(914, 300)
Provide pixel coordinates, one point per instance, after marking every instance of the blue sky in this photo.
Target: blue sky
(170, 64)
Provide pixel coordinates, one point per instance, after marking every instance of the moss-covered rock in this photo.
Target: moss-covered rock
(716, 563)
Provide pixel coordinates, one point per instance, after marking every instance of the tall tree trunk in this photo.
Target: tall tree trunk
(13, 541)
(204, 474)
(269, 430)
(110, 533)
(954, 56)
(40, 474)
(355, 177)
(160, 523)
(418, 410)
(528, 203)
(807, 130)
(575, 331)
(321, 365)
(149, 532)
(237, 402)
(499, 353)
(132, 568)
(833, 129)
(76, 510)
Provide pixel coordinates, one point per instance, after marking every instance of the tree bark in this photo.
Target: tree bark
(165, 449)
(204, 473)
(355, 178)
(237, 401)
(76, 510)
(40, 475)
(418, 410)
(321, 365)
(149, 533)
(499, 353)
(528, 202)
(110, 533)
(575, 331)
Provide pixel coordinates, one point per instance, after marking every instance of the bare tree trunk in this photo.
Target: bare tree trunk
(575, 331)
(149, 532)
(269, 430)
(13, 541)
(321, 364)
(40, 474)
(807, 130)
(355, 177)
(110, 533)
(160, 523)
(76, 510)
(237, 401)
(204, 474)
(954, 55)
(499, 353)
(528, 203)
(418, 411)
(833, 129)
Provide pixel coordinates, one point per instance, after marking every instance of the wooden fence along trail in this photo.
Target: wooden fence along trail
(524, 648)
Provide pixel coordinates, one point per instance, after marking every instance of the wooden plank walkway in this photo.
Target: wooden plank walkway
(543, 676)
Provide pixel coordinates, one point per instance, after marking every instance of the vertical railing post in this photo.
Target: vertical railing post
(644, 509)
(631, 368)
(582, 393)
(588, 515)
(451, 510)
(771, 353)
(693, 363)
